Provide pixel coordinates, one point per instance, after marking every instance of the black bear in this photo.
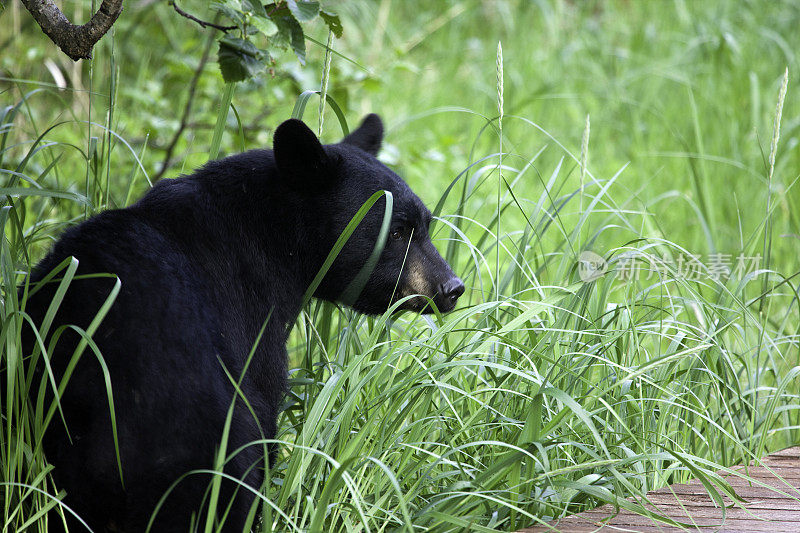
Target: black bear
(205, 261)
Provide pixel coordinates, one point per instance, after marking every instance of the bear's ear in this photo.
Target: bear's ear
(368, 136)
(298, 153)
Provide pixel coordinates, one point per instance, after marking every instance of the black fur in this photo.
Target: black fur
(203, 261)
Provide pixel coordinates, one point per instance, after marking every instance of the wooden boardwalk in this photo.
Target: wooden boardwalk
(773, 508)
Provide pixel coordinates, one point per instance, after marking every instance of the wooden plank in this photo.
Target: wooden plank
(646, 527)
(787, 452)
(697, 500)
(689, 514)
(774, 508)
(774, 489)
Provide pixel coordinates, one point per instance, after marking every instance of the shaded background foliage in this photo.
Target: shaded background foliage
(639, 71)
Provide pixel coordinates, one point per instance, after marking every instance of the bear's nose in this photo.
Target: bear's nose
(451, 289)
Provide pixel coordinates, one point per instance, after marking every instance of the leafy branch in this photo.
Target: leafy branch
(240, 58)
(279, 25)
(203, 23)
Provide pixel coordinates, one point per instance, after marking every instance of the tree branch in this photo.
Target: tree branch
(75, 41)
(186, 110)
(203, 23)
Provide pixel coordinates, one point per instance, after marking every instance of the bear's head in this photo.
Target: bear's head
(336, 180)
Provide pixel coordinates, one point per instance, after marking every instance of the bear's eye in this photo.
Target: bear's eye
(397, 233)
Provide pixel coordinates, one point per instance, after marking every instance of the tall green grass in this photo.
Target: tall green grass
(579, 393)
(555, 396)
(541, 394)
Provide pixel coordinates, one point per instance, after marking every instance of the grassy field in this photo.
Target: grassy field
(660, 136)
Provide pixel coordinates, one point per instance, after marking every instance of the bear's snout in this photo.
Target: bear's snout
(447, 294)
(450, 291)
(428, 275)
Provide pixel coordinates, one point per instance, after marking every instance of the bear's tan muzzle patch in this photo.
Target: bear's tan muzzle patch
(415, 281)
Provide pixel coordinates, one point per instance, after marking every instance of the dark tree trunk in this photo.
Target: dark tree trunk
(75, 41)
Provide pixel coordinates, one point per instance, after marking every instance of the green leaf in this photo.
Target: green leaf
(302, 10)
(239, 59)
(231, 9)
(2, 7)
(333, 22)
(290, 33)
(264, 25)
(254, 7)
